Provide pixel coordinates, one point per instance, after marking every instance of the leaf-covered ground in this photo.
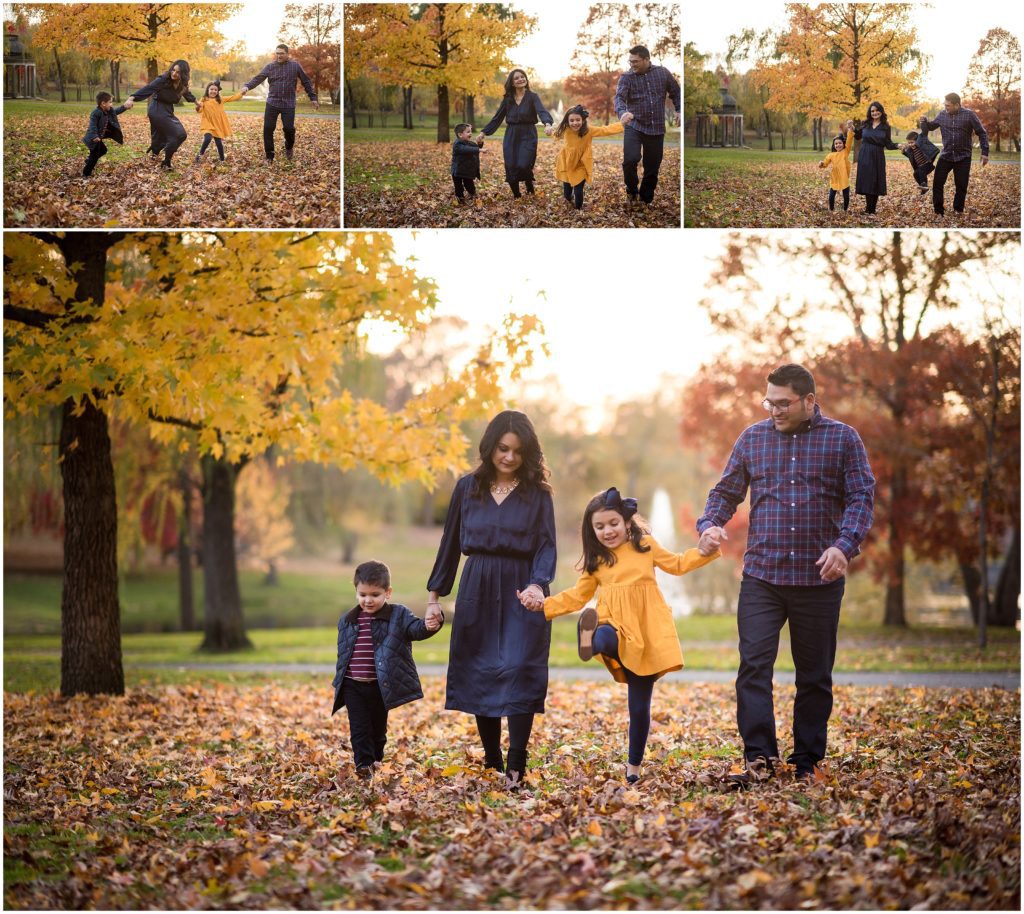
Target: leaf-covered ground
(793, 192)
(44, 187)
(409, 185)
(225, 797)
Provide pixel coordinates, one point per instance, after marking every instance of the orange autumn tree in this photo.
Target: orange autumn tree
(993, 86)
(235, 338)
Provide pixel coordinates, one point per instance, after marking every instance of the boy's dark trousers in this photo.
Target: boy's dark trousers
(367, 720)
(650, 147)
(98, 150)
(270, 115)
(574, 193)
(832, 198)
(961, 176)
(921, 174)
(463, 186)
(813, 616)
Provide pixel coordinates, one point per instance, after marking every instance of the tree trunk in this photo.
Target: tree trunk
(443, 134)
(186, 591)
(90, 631)
(768, 130)
(470, 108)
(972, 588)
(1004, 608)
(895, 606)
(60, 75)
(407, 107)
(271, 579)
(115, 80)
(351, 103)
(223, 625)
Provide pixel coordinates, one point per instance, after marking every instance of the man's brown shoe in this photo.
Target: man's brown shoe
(758, 770)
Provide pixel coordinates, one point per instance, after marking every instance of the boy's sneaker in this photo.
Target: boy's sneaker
(923, 188)
(199, 159)
(364, 772)
(289, 154)
(585, 633)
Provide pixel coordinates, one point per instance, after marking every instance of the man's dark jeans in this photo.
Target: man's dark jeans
(646, 147)
(270, 115)
(961, 176)
(813, 616)
(367, 720)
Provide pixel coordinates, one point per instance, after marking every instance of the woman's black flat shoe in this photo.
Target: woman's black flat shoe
(632, 778)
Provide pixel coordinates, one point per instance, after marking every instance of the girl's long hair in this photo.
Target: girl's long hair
(533, 474)
(510, 90)
(206, 91)
(564, 125)
(594, 551)
(883, 122)
(841, 139)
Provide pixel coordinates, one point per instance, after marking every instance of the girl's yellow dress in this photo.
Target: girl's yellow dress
(575, 161)
(629, 600)
(213, 119)
(840, 162)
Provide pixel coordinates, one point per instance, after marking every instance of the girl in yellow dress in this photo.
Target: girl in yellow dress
(575, 163)
(213, 119)
(632, 627)
(838, 160)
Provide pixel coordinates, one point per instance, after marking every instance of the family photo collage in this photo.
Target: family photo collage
(511, 456)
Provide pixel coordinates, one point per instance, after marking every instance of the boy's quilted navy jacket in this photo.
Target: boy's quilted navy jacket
(393, 628)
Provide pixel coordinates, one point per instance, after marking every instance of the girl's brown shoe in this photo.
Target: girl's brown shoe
(585, 633)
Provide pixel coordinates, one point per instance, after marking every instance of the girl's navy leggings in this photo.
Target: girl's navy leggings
(832, 198)
(206, 142)
(641, 688)
(573, 193)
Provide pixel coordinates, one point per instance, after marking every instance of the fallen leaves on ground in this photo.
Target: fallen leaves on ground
(409, 185)
(794, 194)
(43, 183)
(224, 797)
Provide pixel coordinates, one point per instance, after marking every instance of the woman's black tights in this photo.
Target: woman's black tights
(872, 201)
(519, 728)
(515, 187)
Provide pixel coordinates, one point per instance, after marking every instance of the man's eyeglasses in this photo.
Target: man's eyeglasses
(781, 405)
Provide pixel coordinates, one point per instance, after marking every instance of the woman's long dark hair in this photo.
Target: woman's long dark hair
(510, 90)
(533, 474)
(184, 72)
(594, 551)
(883, 122)
(564, 125)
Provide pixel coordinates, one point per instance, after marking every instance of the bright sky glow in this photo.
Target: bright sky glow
(949, 32)
(257, 27)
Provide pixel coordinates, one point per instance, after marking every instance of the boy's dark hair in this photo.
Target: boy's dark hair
(641, 51)
(594, 551)
(953, 97)
(564, 125)
(913, 135)
(460, 127)
(373, 574)
(281, 47)
(795, 376)
(102, 97)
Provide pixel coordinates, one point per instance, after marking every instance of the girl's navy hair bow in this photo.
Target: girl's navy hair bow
(627, 507)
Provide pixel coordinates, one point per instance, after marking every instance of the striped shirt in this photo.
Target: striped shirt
(643, 95)
(956, 133)
(281, 79)
(809, 490)
(363, 666)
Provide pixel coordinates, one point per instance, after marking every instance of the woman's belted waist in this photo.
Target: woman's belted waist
(504, 554)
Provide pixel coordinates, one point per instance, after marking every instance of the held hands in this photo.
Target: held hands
(128, 102)
(549, 129)
(433, 617)
(480, 138)
(833, 564)
(532, 598)
(316, 106)
(626, 118)
(710, 540)
(984, 161)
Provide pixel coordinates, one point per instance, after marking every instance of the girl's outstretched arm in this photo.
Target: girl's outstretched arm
(678, 562)
(608, 130)
(573, 599)
(233, 98)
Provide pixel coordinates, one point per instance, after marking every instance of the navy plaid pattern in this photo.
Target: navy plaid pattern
(956, 134)
(281, 79)
(809, 490)
(644, 96)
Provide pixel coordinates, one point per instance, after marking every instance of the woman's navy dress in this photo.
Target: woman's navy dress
(498, 660)
(520, 144)
(166, 132)
(871, 159)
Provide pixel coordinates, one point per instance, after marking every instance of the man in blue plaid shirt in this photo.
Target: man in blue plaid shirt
(811, 505)
(281, 75)
(640, 105)
(958, 126)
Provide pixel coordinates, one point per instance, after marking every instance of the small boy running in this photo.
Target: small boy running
(922, 153)
(375, 670)
(465, 162)
(103, 125)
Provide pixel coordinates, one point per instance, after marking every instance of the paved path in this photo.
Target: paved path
(1007, 679)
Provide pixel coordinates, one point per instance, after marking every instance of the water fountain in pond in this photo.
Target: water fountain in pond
(663, 527)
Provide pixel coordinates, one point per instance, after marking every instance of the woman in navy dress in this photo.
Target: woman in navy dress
(875, 137)
(520, 109)
(165, 130)
(501, 515)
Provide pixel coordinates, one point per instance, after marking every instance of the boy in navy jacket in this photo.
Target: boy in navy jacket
(103, 125)
(922, 152)
(465, 162)
(375, 670)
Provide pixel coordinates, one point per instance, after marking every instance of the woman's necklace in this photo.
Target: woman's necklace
(498, 489)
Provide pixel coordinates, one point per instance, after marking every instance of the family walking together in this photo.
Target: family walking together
(639, 105)
(811, 505)
(957, 126)
(167, 134)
